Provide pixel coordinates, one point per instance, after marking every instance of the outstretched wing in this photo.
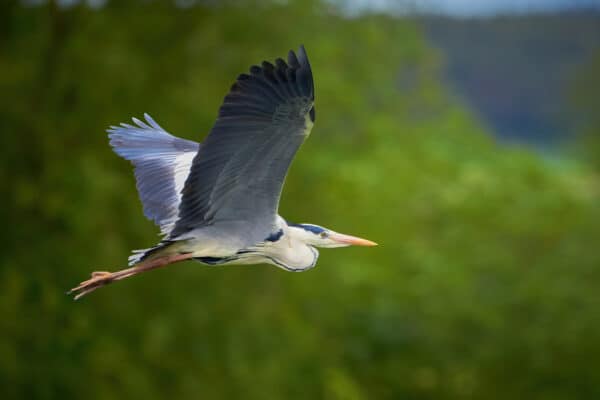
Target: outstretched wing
(162, 163)
(238, 173)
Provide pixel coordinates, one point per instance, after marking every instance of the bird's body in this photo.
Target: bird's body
(284, 248)
(217, 202)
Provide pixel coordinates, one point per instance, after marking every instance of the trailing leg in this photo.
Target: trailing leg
(102, 278)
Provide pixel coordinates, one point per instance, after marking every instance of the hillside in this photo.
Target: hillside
(517, 72)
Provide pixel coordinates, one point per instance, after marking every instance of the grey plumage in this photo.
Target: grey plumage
(237, 176)
(217, 202)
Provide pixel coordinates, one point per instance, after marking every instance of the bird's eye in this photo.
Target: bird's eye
(323, 235)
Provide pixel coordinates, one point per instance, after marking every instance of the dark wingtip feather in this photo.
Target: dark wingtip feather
(304, 74)
(255, 70)
(302, 57)
(267, 84)
(267, 66)
(296, 71)
(293, 60)
(281, 64)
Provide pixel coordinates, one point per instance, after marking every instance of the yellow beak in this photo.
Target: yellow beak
(351, 240)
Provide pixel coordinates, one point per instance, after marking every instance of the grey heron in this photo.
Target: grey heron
(217, 202)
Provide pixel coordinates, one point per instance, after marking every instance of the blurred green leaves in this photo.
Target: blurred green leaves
(483, 286)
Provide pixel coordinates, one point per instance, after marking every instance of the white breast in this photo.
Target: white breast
(290, 252)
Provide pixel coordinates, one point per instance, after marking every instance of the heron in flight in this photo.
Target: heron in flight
(217, 202)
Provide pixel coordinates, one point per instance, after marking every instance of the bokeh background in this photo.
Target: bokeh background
(464, 139)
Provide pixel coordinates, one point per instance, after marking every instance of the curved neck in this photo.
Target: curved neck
(287, 248)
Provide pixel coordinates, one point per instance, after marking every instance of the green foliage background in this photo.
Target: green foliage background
(485, 283)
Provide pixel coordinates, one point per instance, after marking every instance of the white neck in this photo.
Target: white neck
(291, 251)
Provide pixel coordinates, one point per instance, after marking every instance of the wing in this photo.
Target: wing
(162, 163)
(239, 171)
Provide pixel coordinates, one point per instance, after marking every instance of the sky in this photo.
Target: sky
(470, 7)
(449, 7)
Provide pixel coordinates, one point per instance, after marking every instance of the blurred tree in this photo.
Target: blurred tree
(585, 106)
(484, 286)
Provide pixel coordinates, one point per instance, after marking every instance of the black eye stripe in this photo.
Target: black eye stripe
(310, 228)
(314, 229)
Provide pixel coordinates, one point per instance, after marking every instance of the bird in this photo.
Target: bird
(216, 202)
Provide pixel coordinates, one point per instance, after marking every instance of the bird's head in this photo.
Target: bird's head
(318, 236)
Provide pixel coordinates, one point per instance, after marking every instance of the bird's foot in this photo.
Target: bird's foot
(98, 279)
